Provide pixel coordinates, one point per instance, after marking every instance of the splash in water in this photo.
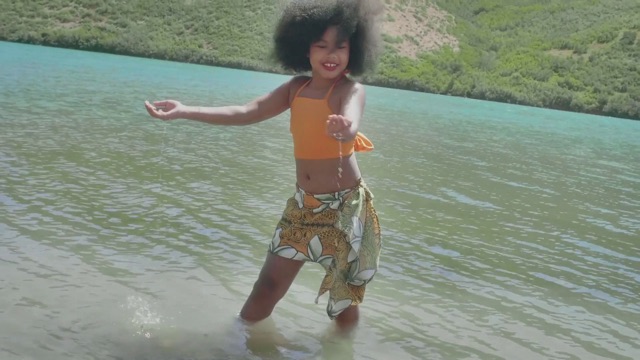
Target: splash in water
(143, 315)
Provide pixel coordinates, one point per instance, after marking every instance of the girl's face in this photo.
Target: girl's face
(328, 57)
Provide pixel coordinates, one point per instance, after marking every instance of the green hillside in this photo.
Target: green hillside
(579, 55)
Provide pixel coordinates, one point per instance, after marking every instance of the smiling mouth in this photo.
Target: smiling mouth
(330, 66)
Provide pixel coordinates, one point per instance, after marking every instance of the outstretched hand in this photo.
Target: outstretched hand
(165, 109)
(338, 126)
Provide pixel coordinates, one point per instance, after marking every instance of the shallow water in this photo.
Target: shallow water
(509, 232)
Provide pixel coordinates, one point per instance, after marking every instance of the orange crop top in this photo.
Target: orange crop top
(308, 129)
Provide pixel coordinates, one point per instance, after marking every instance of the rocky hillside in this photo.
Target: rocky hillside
(412, 28)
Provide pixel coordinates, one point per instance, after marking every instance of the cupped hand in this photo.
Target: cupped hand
(165, 109)
(338, 126)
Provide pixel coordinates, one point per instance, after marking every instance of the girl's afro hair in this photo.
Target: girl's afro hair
(303, 22)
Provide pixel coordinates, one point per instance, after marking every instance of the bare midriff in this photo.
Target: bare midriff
(324, 176)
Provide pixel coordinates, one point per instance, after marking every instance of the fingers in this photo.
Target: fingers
(163, 103)
(332, 126)
(336, 125)
(332, 122)
(154, 111)
(339, 120)
(150, 108)
(336, 119)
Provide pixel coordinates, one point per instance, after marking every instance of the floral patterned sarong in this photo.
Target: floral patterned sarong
(341, 232)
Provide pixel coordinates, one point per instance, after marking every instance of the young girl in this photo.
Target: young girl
(330, 218)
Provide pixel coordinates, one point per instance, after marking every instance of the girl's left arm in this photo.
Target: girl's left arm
(345, 126)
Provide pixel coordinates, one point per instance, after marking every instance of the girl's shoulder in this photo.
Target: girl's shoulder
(346, 91)
(347, 87)
(295, 83)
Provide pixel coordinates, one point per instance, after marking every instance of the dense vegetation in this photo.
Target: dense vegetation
(580, 55)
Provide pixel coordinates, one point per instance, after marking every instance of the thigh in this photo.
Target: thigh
(279, 270)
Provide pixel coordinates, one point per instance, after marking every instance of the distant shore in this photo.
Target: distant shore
(368, 80)
(576, 55)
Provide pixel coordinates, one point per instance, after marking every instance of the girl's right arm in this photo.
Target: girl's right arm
(260, 109)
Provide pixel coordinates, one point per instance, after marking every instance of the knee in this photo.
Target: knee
(269, 286)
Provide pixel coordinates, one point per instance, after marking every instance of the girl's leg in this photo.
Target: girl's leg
(274, 280)
(347, 320)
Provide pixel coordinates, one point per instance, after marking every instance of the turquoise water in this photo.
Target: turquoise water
(510, 232)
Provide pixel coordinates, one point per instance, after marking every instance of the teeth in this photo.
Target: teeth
(330, 65)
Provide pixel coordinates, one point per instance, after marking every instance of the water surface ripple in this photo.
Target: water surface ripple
(509, 232)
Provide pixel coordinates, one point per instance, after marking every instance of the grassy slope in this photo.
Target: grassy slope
(579, 55)
(224, 32)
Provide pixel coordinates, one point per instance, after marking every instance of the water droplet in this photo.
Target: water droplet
(339, 161)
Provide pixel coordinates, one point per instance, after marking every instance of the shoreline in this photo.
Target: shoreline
(372, 80)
